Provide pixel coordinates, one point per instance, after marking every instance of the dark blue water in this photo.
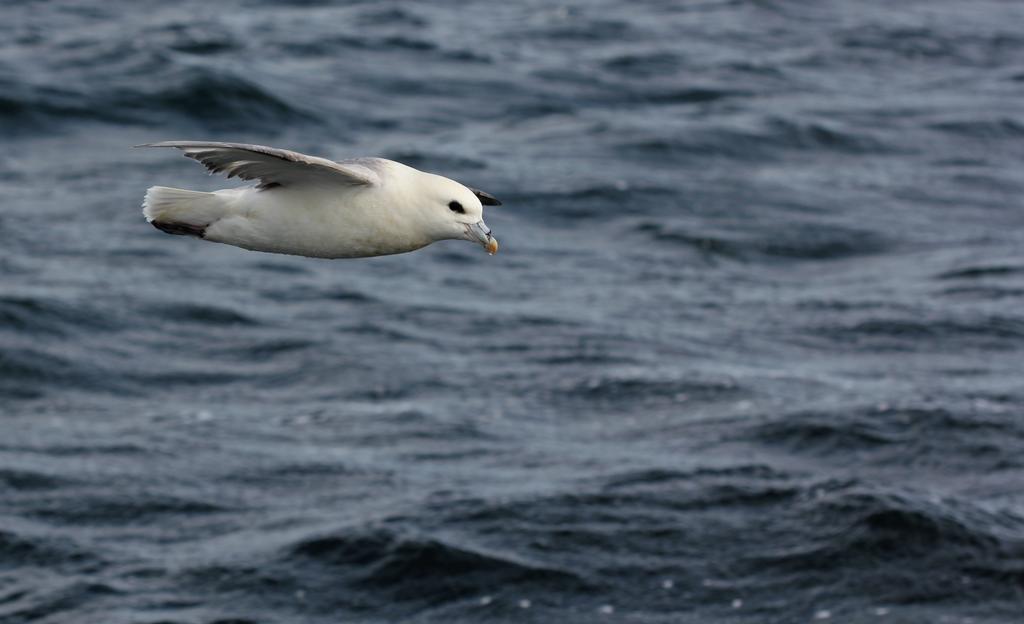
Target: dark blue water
(752, 351)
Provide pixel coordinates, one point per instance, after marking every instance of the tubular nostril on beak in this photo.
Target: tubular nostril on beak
(479, 232)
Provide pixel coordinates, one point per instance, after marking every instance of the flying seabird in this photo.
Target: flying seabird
(310, 206)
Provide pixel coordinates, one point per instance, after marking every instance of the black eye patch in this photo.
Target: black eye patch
(456, 207)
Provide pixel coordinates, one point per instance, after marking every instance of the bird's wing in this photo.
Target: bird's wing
(271, 166)
(485, 198)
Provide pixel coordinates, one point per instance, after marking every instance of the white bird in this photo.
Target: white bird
(309, 206)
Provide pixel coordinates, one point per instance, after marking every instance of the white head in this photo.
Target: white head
(456, 211)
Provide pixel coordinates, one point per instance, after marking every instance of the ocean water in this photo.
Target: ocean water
(752, 350)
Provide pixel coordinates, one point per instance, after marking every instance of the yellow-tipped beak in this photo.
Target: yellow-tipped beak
(479, 233)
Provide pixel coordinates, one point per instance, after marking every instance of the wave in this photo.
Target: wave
(608, 388)
(939, 332)
(303, 293)
(389, 44)
(920, 43)
(595, 201)
(808, 241)
(27, 373)
(983, 293)
(198, 96)
(988, 129)
(50, 601)
(825, 434)
(426, 567)
(201, 314)
(29, 480)
(39, 316)
(114, 509)
(981, 272)
(385, 570)
(649, 64)
(960, 436)
(210, 97)
(43, 551)
(767, 140)
(918, 551)
(587, 30)
(747, 530)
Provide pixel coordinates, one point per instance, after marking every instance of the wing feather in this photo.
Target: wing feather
(272, 166)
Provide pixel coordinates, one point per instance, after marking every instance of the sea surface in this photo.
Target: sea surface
(752, 350)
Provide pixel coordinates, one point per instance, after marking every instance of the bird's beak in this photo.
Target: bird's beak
(479, 232)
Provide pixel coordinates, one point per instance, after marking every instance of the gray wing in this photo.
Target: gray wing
(271, 166)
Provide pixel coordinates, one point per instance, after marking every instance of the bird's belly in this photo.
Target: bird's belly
(307, 224)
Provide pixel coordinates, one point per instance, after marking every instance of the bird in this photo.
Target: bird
(310, 206)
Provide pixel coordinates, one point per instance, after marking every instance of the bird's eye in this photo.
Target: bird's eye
(456, 207)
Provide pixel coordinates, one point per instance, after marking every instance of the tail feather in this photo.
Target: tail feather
(178, 211)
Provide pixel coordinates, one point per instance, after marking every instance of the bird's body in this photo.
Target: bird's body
(309, 206)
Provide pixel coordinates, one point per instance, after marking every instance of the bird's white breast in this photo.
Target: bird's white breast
(320, 221)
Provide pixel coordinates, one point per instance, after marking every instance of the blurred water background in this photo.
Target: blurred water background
(752, 350)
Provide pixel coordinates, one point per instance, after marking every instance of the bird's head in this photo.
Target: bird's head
(458, 211)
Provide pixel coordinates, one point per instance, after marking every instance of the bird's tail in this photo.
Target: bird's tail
(178, 211)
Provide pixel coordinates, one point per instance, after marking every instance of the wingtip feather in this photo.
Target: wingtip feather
(179, 144)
